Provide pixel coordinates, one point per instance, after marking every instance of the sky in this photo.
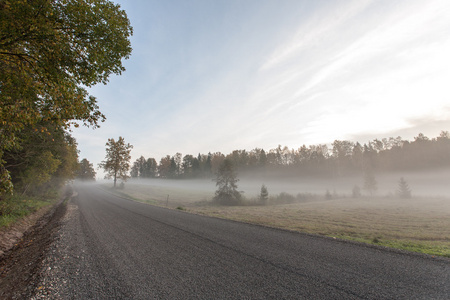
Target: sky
(216, 76)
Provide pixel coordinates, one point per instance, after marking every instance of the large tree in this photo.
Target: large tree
(226, 182)
(50, 51)
(117, 159)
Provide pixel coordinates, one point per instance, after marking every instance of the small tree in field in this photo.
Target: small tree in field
(117, 160)
(227, 193)
(403, 189)
(356, 192)
(264, 195)
(370, 183)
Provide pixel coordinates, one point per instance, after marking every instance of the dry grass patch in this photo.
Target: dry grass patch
(420, 224)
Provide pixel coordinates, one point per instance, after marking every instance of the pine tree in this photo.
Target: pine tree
(226, 181)
(403, 189)
(356, 192)
(370, 184)
(264, 195)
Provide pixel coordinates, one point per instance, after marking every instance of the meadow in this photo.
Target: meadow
(420, 224)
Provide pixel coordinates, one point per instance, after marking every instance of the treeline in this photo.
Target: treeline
(46, 158)
(341, 158)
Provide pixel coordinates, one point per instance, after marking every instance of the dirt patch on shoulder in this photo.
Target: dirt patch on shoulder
(11, 235)
(19, 265)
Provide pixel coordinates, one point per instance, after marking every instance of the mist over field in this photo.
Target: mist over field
(324, 206)
(426, 183)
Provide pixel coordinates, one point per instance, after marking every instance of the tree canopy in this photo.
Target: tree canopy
(50, 51)
(86, 171)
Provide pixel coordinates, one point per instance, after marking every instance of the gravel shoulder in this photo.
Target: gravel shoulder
(23, 248)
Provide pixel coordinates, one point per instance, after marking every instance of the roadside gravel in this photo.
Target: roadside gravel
(69, 270)
(19, 266)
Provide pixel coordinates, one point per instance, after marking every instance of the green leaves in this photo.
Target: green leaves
(117, 159)
(50, 51)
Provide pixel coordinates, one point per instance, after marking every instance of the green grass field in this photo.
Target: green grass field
(416, 224)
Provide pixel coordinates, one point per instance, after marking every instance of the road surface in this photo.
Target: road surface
(113, 248)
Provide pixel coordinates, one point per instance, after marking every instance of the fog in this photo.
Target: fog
(324, 206)
(431, 183)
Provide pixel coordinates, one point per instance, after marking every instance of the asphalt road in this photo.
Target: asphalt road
(112, 248)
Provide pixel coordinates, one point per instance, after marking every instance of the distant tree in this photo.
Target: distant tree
(356, 192)
(208, 165)
(262, 158)
(187, 166)
(342, 152)
(403, 189)
(357, 157)
(173, 168)
(164, 167)
(150, 168)
(263, 195)
(86, 171)
(226, 182)
(178, 160)
(215, 162)
(134, 173)
(117, 160)
(136, 169)
(370, 183)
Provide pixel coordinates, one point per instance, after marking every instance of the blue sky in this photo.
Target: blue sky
(210, 75)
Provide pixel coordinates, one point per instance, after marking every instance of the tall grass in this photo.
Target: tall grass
(15, 207)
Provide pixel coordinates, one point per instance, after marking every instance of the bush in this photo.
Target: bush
(284, 198)
(302, 197)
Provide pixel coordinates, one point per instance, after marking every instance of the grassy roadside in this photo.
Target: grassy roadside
(16, 207)
(419, 224)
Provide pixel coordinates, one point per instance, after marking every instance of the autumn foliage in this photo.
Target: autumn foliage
(50, 51)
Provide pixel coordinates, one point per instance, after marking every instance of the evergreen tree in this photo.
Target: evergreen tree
(226, 182)
(403, 189)
(370, 183)
(356, 192)
(263, 195)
